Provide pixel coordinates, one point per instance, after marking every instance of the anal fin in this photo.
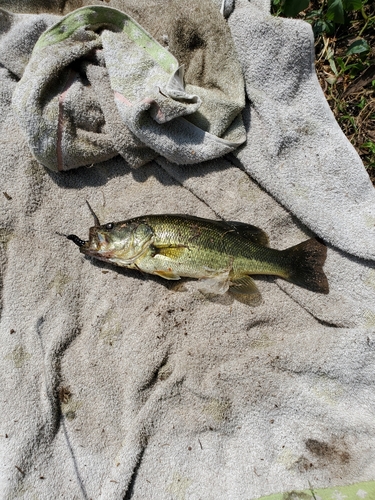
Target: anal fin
(245, 290)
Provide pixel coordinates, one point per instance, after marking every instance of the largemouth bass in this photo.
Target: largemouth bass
(223, 254)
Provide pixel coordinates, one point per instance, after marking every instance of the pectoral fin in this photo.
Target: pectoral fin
(245, 290)
(168, 275)
(166, 256)
(172, 252)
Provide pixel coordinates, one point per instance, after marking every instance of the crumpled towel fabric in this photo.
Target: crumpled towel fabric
(96, 55)
(295, 148)
(117, 385)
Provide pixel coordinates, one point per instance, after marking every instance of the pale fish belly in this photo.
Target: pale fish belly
(175, 263)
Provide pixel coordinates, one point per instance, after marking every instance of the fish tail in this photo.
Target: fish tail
(306, 265)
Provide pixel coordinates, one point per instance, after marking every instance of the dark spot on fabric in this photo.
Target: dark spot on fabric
(189, 37)
(303, 464)
(328, 451)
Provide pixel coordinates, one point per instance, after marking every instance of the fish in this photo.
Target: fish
(223, 255)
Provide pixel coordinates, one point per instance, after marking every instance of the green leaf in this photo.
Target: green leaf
(335, 11)
(333, 66)
(341, 63)
(358, 47)
(331, 79)
(369, 145)
(294, 7)
(352, 5)
(362, 103)
(321, 26)
(313, 13)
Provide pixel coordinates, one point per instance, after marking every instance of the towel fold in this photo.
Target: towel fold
(100, 51)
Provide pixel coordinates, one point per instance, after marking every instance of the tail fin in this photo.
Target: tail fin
(306, 265)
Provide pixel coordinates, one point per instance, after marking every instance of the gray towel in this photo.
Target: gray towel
(119, 385)
(97, 56)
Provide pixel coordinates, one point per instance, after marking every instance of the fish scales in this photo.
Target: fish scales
(223, 254)
(209, 246)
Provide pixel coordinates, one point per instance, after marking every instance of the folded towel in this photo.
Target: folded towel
(97, 55)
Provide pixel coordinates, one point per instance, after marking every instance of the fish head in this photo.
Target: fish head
(121, 243)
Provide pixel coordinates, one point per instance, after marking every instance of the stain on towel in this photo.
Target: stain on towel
(328, 452)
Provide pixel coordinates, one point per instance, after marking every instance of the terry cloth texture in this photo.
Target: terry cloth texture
(120, 385)
(98, 55)
(295, 149)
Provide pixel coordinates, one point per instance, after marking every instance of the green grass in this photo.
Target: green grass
(345, 63)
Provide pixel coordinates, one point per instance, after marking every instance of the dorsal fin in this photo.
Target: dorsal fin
(252, 233)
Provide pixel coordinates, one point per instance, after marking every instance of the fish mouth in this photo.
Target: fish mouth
(97, 246)
(112, 255)
(84, 246)
(93, 244)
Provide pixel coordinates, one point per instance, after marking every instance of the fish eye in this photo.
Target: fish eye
(109, 226)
